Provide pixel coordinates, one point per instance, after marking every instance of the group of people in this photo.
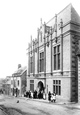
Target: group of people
(51, 97)
(40, 95)
(34, 94)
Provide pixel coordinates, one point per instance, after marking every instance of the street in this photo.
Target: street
(24, 106)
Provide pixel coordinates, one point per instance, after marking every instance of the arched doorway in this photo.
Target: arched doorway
(40, 89)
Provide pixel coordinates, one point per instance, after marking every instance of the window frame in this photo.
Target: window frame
(41, 61)
(56, 57)
(18, 82)
(31, 64)
(32, 85)
(57, 87)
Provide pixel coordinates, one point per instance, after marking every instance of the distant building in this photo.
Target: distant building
(18, 81)
(1, 83)
(7, 85)
(52, 61)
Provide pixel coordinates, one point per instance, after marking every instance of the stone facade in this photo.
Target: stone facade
(59, 40)
(7, 85)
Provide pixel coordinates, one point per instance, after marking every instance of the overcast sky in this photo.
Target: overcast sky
(19, 19)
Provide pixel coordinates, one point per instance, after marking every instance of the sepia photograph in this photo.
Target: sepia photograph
(39, 57)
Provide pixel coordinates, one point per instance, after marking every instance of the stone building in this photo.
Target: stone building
(18, 81)
(53, 58)
(6, 85)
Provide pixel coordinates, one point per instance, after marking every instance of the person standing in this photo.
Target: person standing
(31, 94)
(49, 96)
(54, 97)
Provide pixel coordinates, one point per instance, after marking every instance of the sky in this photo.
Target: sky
(19, 19)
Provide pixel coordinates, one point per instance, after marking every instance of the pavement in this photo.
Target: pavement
(72, 105)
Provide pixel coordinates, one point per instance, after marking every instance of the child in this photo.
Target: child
(53, 97)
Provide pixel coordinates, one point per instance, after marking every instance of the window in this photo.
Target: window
(57, 87)
(31, 64)
(32, 85)
(18, 82)
(54, 58)
(41, 61)
(57, 57)
(12, 82)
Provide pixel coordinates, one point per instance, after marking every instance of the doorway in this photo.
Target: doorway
(40, 89)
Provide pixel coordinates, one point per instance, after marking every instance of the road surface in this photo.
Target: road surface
(31, 107)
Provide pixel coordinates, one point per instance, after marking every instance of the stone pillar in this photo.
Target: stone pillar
(45, 60)
(29, 60)
(56, 27)
(44, 56)
(38, 51)
(33, 58)
(78, 71)
(51, 51)
(61, 56)
(44, 50)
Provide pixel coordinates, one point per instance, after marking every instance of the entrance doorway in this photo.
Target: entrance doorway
(40, 89)
(40, 86)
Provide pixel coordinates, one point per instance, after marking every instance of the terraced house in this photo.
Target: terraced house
(53, 57)
(18, 81)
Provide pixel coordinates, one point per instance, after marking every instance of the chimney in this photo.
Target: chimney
(19, 66)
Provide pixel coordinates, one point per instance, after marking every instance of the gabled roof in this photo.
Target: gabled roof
(20, 71)
(74, 15)
(68, 11)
